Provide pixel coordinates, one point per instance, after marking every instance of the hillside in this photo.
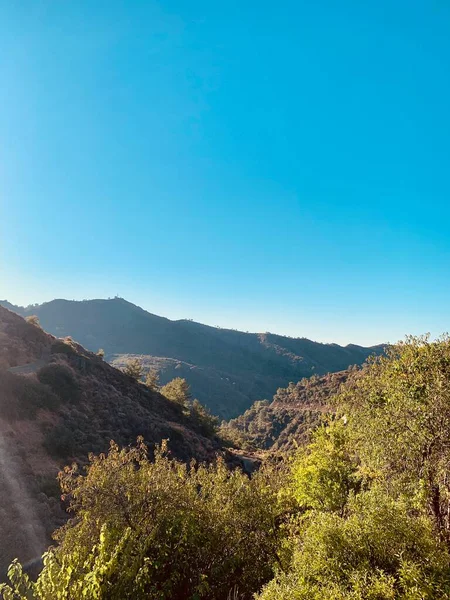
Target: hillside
(228, 370)
(288, 420)
(58, 402)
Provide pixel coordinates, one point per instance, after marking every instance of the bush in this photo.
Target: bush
(21, 397)
(377, 551)
(203, 419)
(60, 442)
(33, 320)
(61, 379)
(152, 380)
(62, 347)
(158, 529)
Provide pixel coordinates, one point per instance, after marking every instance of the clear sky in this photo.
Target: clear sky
(268, 166)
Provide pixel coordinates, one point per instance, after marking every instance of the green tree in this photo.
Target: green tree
(377, 551)
(398, 412)
(325, 472)
(159, 530)
(134, 369)
(178, 391)
(152, 380)
(372, 489)
(203, 419)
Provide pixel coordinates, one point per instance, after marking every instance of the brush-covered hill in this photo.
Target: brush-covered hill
(288, 420)
(227, 370)
(59, 402)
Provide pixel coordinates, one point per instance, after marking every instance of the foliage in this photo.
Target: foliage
(203, 419)
(61, 379)
(363, 514)
(288, 420)
(21, 397)
(399, 423)
(152, 380)
(377, 551)
(178, 391)
(33, 320)
(372, 489)
(159, 529)
(134, 369)
(323, 473)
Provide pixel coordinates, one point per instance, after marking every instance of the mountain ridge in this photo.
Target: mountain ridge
(229, 369)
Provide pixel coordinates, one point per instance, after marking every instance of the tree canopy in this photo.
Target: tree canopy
(134, 369)
(360, 513)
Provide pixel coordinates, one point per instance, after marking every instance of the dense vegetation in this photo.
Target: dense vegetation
(177, 391)
(288, 420)
(159, 529)
(361, 512)
(227, 370)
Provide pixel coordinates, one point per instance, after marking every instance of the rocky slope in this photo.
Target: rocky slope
(227, 370)
(58, 402)
(288, 420)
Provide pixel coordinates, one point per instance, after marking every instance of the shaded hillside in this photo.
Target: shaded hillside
(227, 369)
(289, 418)
(58, 402)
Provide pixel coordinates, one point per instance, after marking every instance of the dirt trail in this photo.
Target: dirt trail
(20, 526)
(29, 368)
(32, 367)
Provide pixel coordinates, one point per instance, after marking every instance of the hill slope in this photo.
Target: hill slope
(58, 402)
(288, 420)
(228, 370)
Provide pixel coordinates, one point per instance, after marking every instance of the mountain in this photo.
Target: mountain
(227, 370)
(58, 402)
(287, 421)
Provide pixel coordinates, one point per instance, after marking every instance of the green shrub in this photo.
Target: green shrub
(160, 530)
(378, 550)
(178, 391)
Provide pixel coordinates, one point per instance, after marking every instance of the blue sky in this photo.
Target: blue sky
(265, 166)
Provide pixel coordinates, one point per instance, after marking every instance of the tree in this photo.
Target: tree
(152, 380)
(372, 490)
(159, 530)
(378, 550)
(101, 353)
(33, 320)
(323, 473)
(133, 368)
(178, 391)
(398, 412)
(202, 417)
